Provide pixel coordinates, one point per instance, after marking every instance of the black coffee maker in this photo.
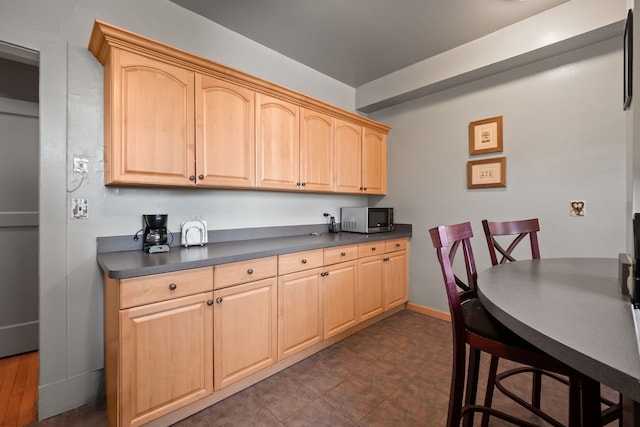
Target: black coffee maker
(155, 233)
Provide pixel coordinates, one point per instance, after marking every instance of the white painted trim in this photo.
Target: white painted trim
(17, 107)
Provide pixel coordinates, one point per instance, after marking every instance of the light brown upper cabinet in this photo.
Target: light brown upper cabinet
(225, 134)
(360, 159)
(348, 157)
(149, 115)
(316, 151)
(169, 126)
(295, 147)
(278, 143)
(176, 119)
(374, 162)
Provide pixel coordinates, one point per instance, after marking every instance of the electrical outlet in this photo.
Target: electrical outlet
(80, 164)
(79, 208)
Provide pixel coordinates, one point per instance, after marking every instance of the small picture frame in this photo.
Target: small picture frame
(628, 61)
(487, 173)
(485, 136)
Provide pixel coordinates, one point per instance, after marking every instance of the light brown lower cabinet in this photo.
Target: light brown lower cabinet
(299, 301)
(245, 330)
(152, 367)
(162, 367)
(370, 287)
(339, 294)
(382, 276)
(174, 339)
(396, 271)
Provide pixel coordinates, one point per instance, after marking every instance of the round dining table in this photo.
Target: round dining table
(574, 310)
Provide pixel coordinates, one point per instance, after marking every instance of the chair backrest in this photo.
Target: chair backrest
(448, 239)
(519, 229)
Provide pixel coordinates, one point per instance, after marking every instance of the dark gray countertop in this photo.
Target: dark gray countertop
(126, 264)
(572, 309)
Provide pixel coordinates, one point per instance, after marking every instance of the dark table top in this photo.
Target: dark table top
(572, 309)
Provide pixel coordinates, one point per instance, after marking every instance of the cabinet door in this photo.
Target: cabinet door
(339, 293)
(245, 330)
(277, 143)
(348, 157)
(149, 122)
(299, 311)
(370, 287)
(225, 134)
(395, 279)
(166, 357)
(316, 151)
(374, 162)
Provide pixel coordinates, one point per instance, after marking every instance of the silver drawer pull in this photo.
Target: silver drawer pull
(173, 286)
(304, 260)
(250, 271)
(219, 300)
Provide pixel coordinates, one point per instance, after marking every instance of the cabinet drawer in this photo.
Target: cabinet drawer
(396, 245)
(161, 287)
(368, 249)
(299, 261)
(340, 254)
(235, 273)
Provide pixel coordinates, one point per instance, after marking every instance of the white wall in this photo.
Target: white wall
(71, 95)
(564, 139)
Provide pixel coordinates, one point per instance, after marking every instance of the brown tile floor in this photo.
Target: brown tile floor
(394, 373)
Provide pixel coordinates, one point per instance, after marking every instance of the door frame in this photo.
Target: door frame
(54, 377)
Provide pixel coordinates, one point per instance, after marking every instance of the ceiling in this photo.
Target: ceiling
(357, 41)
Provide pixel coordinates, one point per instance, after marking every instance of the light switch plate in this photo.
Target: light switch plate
(79, 208)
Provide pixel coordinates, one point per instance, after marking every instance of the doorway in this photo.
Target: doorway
(19, 229)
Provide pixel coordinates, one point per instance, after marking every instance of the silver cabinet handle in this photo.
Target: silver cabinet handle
(219, 300)
(173, 286)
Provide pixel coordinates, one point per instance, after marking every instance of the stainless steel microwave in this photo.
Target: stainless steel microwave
(366, 220)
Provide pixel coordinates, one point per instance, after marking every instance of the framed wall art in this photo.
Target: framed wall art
(628, 60)
(485, 136)
(487, 173)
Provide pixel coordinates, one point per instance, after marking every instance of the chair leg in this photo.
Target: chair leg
(456, 392)
(536, 389)
(575, 417)
(472, 383)
(590, 397)
(491, 384)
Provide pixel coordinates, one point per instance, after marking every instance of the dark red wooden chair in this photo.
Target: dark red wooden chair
(518, 231)
(472, 325)
(510, 234)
